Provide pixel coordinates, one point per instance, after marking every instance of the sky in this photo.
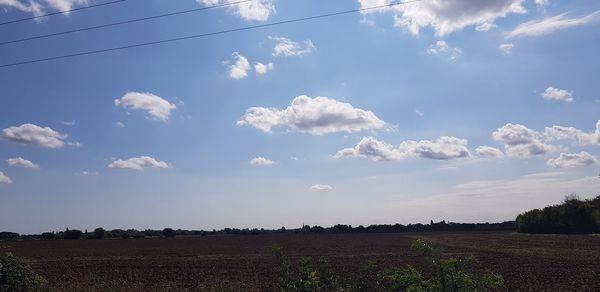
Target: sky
(456, 110)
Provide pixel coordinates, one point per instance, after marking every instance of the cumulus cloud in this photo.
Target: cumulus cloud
(488, 152)
(139, 163)
(256, 10)
(562, 133)
(443, 148)
(4, 179)
(239, 69)
(20, 162)
(506, 49)
(36, 135)
(287, 47)
(316, 116)
(520, 141)
(155, 106)
(321, 188)
(261, 68)
(447, 16)
(541, 27)
(552, 93)
(565, 160)
(442, 48)
(261, 161)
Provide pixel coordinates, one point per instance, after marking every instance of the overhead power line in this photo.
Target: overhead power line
(121, 22)
(205, 34)
(61, 12)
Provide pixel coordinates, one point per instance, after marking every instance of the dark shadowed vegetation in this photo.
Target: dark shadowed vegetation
(572, 216)
(449, 275)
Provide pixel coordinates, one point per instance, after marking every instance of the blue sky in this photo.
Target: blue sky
(443, 110)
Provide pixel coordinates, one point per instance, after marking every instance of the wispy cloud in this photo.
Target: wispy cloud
(541, 27)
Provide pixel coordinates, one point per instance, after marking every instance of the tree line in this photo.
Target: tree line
(572, 216)
(101, 233)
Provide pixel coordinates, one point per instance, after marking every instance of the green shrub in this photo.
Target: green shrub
(449, 275)
(16, 275)
(308, 275)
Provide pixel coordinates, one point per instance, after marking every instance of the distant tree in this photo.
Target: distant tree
(169, 232)
(572, 216)
(72, 234)
(48, 235)
(99, 233)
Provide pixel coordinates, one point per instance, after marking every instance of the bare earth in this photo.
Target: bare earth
(236, 263)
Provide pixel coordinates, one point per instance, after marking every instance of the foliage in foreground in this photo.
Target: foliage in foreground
(449, 275)
(573, 216)
(16, 275)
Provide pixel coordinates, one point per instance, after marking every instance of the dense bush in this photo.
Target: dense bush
(48, 236)
(16, 275)
(169, 233)
(573, 216)
(99, 233)
(449, 275)
(307, 275)
(72, 234)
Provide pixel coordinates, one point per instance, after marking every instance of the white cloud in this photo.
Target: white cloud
(321, 188)
(256, 10)
(239, 69)
(36, 135)
(120, 125)
(520, 141)
(288, 47)
(419, 113)
(565, 160)
(4, 179)
(261, 161)
(26, 6)
(448, 16)
(139, 163)
(154, 105)
(488, 152)
(561, 133)
(541, 27)
(315, 116)
(20, 162)
(89, 173)
(39, 7)
(486, 26)
(443, 148)
(552, 93)
(541, 3)
(68, 123)
(506, 49)
(261, 68)
(442, 48)
(64, 5)
(439, 47)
